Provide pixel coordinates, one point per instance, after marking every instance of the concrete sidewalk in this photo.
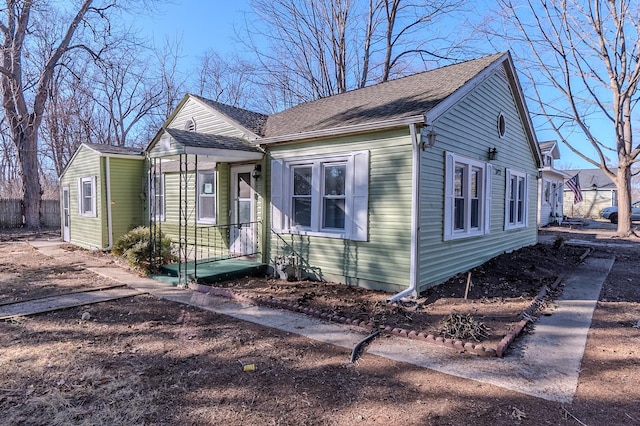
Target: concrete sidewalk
(544, 364)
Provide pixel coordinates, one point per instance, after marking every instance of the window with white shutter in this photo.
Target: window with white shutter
(321, 195)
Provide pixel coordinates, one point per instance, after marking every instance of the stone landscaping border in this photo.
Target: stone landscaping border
(459, 345)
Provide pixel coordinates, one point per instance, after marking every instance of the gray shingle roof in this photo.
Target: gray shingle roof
(403, 97)
(201, 140)
(117, 150)
(253, 121)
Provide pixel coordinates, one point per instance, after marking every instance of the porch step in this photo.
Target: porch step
(212, 272)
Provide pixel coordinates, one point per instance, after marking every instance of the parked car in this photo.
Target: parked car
(611, 213)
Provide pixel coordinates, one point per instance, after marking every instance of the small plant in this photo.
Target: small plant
(458, 326)
(136, 248)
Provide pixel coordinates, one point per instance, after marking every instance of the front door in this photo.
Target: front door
(66, 235)
(243, 229)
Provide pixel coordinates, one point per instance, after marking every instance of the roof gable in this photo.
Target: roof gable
(550, 148)
(250, 120)
(103, 150)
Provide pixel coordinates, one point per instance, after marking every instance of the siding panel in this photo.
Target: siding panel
(470, 129)
(383, 261)
(87, 232)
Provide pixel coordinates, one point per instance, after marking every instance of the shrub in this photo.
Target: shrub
(135, 247)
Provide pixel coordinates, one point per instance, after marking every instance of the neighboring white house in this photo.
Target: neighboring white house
(598, 192)
(550, 186)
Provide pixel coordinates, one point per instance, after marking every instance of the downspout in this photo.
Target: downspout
(109, 224)
(414, 270)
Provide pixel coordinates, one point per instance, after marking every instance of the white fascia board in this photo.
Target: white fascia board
(224, 155)
(554, 172)
(125, 156)
(342, 131)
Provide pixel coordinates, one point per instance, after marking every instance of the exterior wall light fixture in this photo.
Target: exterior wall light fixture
(493, 153)
(257, 171)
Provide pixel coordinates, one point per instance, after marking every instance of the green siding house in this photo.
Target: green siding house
(401, 185)
(102, 194)
(397, 186)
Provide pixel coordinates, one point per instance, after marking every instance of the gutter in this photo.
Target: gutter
(412, 290)
(108, 185)
(343, 130)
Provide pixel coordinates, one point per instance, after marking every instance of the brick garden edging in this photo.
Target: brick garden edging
(459, 345)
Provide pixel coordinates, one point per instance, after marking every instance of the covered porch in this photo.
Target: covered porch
(205, 195)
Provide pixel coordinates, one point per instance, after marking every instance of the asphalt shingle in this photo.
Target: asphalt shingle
(201, 140)
(403, 97)
(253, 121)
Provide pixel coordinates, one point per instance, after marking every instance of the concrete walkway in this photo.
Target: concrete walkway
(544, 364)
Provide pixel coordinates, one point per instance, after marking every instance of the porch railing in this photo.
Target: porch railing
(219, 242)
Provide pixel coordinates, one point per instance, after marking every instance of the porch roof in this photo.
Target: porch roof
(216, 147)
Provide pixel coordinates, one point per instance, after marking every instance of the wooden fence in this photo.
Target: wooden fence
(11, 213)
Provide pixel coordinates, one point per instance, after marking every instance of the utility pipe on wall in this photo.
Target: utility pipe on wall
(414, 269)
(108, 189)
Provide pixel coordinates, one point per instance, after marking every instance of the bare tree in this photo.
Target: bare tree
(583, 58)
(404, 21)
(173, 83)
(128, 93)
(321, 48)
(69, 117)
(229, 81)
(25, 84)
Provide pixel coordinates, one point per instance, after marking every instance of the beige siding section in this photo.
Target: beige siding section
(592, 204)
(470, 129)
(383, 261)
(207, 120)
(87, 232)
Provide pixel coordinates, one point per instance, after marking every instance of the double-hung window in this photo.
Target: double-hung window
(156, 199)
(516, 200)
(87, 196)
(301, 197)
(324, 195)
(467, 197)
(207, 197)
(334, 195)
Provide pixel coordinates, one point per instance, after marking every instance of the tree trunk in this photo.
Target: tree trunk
(623, 183)
(27, 143)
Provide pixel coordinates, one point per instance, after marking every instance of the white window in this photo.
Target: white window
(517, 195)
(87, 196)
(321, 195)
(156, 198)
(467, 197)
(207, 197)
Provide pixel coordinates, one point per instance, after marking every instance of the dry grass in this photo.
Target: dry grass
(65, 385)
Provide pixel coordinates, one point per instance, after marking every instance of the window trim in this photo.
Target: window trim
(508, 224)
(484, 198)
(356, 195)
(153, 196)
(207, 220)
(93, 212)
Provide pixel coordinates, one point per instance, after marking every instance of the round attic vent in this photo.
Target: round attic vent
(190, 125)
(502, 125)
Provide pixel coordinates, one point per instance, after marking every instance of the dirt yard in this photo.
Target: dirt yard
(144, 361)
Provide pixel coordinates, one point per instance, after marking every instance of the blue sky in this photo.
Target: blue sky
(201, 25)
